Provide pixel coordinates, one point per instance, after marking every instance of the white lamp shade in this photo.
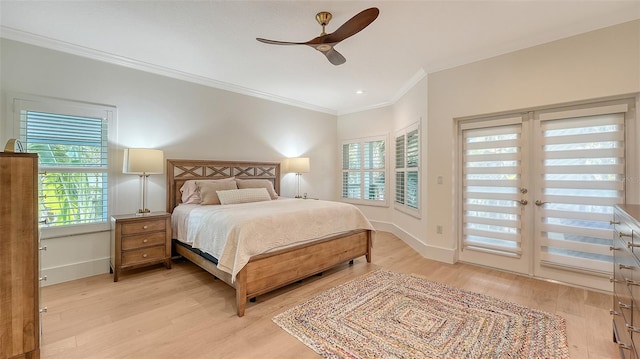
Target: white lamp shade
(296, 165)
(143, 161)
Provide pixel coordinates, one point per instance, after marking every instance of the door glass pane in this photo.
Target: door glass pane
(492, 174)
(583, 177)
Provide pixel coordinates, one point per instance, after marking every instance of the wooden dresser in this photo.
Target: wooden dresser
(626, 279)
(139, 241)
(19, 269)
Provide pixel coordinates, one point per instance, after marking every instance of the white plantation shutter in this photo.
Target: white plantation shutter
(491, 184)
(364, 170)
(400, 175)
(582, 176)
(407, 170)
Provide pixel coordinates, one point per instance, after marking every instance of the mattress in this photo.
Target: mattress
(235, 233)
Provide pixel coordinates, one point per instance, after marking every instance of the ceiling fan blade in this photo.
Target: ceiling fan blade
(274, 42)
(353, 25)
(334, 57)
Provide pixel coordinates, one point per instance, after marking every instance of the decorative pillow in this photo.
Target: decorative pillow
(245, 195)
(190, 192)
(258, 183)
(208, 190)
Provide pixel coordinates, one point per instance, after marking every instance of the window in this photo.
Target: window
(364, 171)
(407, 172)
(71, 140)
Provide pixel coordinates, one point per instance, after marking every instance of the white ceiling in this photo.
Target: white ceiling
(213, 42)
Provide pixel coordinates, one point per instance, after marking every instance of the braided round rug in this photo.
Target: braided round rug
(391, 315)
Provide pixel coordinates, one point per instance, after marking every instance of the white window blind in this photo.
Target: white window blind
(73, 161)
(407, 170)
(583, 171)
(363, 170)
(491, 182)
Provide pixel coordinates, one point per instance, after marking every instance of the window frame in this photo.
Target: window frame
(25, 102)
(405, 170)
(362, 171)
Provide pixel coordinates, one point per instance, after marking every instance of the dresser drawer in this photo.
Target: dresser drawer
(142, 255)
(623, 338)
(142, 240)
(143, 226)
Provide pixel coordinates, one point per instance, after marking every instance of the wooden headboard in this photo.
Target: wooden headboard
(179, 171)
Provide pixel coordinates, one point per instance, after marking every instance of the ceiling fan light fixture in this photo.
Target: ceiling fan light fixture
(323, 47)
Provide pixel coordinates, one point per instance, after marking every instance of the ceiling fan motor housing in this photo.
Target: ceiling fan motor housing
(323, 18)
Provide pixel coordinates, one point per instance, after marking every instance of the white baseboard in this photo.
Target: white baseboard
(447, 255)
(74, 271)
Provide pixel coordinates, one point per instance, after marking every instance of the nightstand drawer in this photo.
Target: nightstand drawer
(142, 240)
(143, 255)
(146, 226)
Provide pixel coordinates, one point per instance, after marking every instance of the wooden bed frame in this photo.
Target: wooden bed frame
(273, 270)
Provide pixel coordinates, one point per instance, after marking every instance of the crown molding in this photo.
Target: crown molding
(417, 77)
(66, 47)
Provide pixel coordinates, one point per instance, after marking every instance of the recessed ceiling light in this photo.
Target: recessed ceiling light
(360, 92)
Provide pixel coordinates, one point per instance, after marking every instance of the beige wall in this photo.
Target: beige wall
(185, 120)
(593, 65)
(193, 121)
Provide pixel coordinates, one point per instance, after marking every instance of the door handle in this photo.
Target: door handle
(539, 202)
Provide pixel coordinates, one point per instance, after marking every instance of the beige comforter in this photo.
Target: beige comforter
(235, 233)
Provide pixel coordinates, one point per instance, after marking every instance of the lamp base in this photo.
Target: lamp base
(142, 212)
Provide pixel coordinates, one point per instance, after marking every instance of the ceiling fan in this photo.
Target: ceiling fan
(325, 42)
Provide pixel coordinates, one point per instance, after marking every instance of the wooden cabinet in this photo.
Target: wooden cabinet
(626, 279)
(140, 240)
(19, 270)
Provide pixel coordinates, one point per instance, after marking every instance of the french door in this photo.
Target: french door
(538, 189)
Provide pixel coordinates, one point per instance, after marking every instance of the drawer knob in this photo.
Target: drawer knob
(624, 346)
(631, 282)
(145, 240)
(613, 280)
(145, 227)
(43, 310)
(145, 255)
(43, 278)
(613, 312)
(624, 306)
(43, 248)
(613, 222)
(631, 328)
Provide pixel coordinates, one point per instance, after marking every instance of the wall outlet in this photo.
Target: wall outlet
(439, 229)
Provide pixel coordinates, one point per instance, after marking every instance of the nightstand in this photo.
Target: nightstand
(140, 241)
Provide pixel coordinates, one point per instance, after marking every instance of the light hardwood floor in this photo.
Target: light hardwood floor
(185, 313)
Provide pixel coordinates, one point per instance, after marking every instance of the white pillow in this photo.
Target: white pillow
(257, 183)
(244, 195)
